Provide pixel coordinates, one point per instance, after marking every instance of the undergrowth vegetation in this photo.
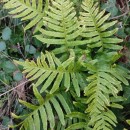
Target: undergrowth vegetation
(64, 65)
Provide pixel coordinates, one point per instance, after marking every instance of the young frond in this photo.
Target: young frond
(27, 10)
(61, 25)
(43, 115)
(95, 27)
(50, 72)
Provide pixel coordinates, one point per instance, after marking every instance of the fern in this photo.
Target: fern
(43, 113)
(55, 73)
(95, 28)
(104, 82)
(27, 10)
(88, 104)
(61, 26)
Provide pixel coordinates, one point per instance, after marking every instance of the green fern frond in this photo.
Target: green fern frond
(44, 112)
(61, 25)
(105, 82)
(27, 10)
(95, 27)
(49, 71)
(98, 93)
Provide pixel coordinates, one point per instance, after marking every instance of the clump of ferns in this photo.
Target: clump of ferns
(80, 87)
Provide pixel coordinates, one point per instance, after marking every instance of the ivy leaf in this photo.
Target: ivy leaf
(2, 46)
(6, 33)
(110, 7)
(18, 76)
(30, 49)
(9, 67)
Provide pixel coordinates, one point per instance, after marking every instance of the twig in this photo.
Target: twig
(127, 11)
(13, 88)
(19, 49)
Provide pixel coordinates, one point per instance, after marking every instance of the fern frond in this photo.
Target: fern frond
(105, 82)
(27, 10)
(98, 93)
(44, 112)
(61, 25)
(50, 71)
(95, 27)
